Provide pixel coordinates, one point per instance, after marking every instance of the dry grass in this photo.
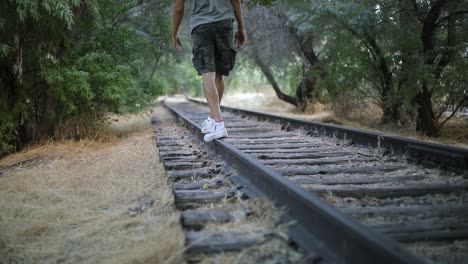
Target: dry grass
(124, 125)
(88, 202)
(111, 127)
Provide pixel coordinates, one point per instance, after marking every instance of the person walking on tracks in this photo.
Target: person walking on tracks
(211, 27)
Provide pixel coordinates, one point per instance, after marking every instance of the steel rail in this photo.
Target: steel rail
(439, 155)
(320, 227)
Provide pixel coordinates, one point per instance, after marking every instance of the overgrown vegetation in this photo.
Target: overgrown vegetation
(67, 63)
(407, 56)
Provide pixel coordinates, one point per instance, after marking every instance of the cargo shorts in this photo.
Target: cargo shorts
(213, 47)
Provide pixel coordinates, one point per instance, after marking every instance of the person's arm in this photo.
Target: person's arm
(178, 14)
(240, 34)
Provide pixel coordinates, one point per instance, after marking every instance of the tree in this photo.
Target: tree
(370, 49)
(66, 62)
(272, 32)
(438, 52)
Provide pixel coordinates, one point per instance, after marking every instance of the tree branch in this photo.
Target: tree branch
(355, 33)
(417, 11)
(269, 75)
(429, 26)
(465, 98)
(447, 103)
(450, 16)
(117, 16)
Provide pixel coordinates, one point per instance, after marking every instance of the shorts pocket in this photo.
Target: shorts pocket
(226, 61)
(232, 58)
(197, 59)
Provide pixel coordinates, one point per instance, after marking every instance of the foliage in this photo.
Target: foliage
(294, 69)
(63, 60)
(69, 59)
(381, 50)
(252, 3)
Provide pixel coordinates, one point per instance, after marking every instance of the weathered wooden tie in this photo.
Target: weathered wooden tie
(275, 146)
(184, 165)
(409, 210)
(197, 185)
(211, 242)
(244, 135)
(294, 151)
(176, 153)
(199, 218)
(438, 229)
(321, 161)
(388, 192)
(196, 173)
(189, 198)
(329, 180)
(289, 140)
(309, 155)
(336, 170)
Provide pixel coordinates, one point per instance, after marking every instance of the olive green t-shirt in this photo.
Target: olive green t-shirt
(208, 11)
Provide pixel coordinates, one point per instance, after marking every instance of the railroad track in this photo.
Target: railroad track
(399, 190)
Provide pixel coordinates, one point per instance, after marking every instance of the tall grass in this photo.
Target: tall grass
(76, 204)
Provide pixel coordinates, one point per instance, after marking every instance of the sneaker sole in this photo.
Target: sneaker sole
(216, 137)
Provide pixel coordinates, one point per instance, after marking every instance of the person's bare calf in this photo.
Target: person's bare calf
(220, 86)
(218, 129)
(212, 96)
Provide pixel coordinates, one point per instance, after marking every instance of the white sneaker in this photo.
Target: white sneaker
(208, 125)
(219, 131)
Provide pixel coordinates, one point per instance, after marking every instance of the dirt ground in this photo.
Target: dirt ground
(368, 118)
(88, 201)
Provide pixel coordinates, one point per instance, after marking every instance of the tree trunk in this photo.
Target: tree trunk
(13, 96)
(425, 121)
(390, 106)
(304, 92)
(46, 127)
(305, 89)
(269, 75)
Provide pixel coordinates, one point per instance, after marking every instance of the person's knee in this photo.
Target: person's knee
(209, 76)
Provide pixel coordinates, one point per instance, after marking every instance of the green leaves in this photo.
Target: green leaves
(35, 9)
(253, 3)
(373, 48)
(5, 49)
(80, 59)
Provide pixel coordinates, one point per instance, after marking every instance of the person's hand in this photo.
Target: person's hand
(176, 44)
(240, 38)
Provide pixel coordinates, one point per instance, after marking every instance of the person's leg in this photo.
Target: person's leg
(212, 97)
(220, 86)
(225, 54)
(211, 94)
(204, 49)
